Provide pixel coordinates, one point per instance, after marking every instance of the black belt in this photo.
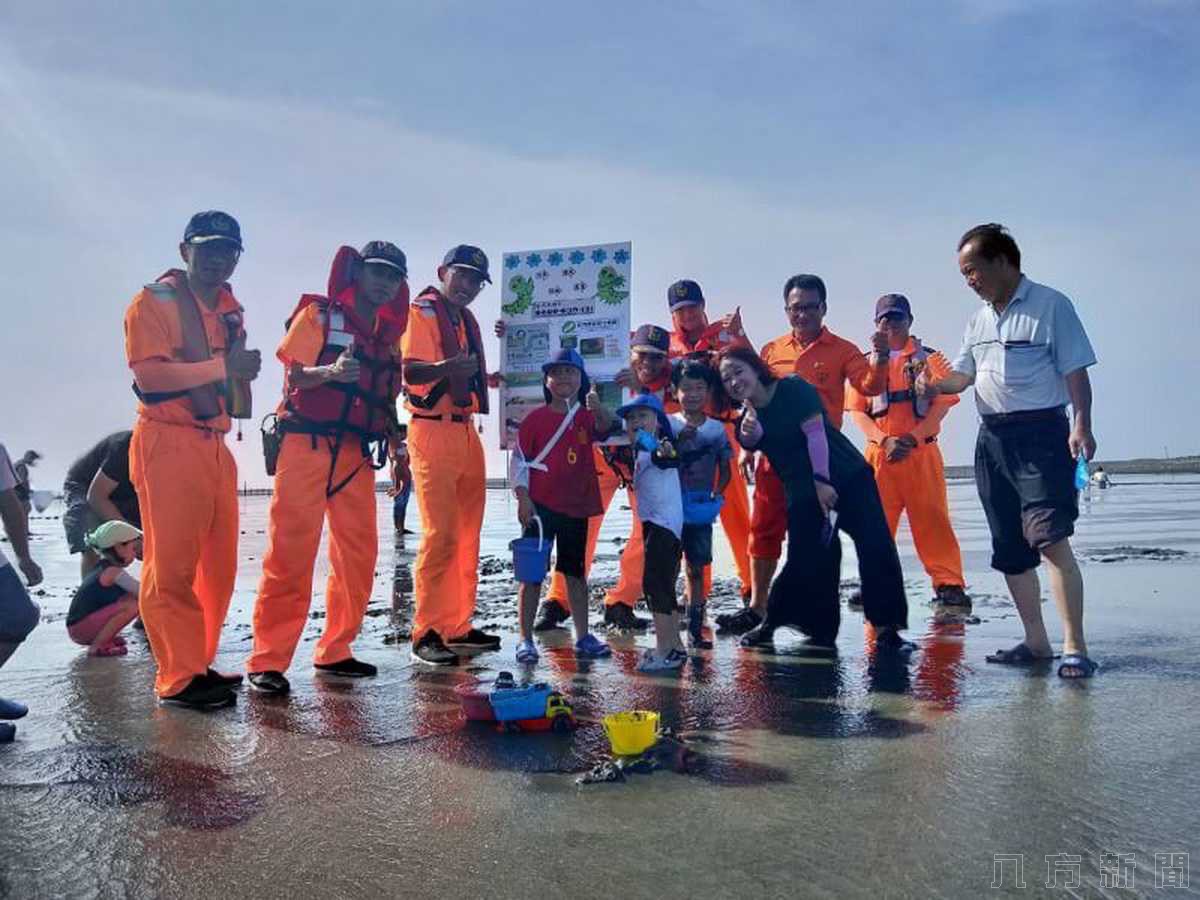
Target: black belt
(1026, 416)
(453, 417)
(932, 439)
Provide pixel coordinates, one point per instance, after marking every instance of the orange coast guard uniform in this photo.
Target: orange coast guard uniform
(447, 468)
(917, 483)
(827, 364)
(325, 470)
(185, 477)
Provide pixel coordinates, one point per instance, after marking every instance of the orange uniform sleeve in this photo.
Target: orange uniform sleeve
(147, 330)
(864, 377)
(304, 339)
(855, 401)
(421, 341)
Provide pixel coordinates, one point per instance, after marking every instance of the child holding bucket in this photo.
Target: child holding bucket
(704, 455)
(660, 507)
(553, 473)
(107, 600)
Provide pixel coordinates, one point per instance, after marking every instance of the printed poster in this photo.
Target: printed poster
(575, 297)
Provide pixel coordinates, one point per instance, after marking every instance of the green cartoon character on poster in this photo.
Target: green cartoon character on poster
(608, 287)
(522, 289)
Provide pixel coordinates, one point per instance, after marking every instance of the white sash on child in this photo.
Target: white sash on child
(519, 466)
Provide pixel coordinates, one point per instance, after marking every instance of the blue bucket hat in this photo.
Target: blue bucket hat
(651, 402)
(567, 357)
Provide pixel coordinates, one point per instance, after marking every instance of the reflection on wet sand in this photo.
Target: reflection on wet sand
(934, 761)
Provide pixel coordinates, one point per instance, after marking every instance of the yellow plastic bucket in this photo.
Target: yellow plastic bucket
(631, 733)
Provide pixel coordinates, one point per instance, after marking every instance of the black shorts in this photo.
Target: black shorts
(697, 544)
(568, 533)
(78, 519)
(662, 555)
(1026, 481)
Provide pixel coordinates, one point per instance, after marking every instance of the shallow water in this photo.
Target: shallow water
(805, 775)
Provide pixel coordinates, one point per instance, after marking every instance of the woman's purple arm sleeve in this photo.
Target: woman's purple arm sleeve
(818, 445)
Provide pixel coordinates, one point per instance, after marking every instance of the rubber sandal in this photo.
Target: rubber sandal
(527, 652)
(1086, 667)
(1019, 655)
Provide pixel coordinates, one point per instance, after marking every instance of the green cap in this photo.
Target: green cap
(111, 533)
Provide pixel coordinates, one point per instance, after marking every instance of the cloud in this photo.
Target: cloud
(106, 171)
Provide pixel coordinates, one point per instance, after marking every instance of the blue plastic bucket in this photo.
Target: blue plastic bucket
(531, 557)
(520, 703)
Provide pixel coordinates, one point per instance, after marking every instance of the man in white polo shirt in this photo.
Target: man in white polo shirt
(1027, 355)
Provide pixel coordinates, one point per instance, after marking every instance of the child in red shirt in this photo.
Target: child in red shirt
(553, 473)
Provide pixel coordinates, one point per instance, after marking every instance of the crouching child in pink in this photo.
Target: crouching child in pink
(107, 600)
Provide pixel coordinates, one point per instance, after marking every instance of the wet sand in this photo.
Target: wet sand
(805, 775)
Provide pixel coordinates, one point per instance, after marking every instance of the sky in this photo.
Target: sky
(735, 144)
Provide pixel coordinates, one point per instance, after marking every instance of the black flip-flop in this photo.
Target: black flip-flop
(1019, 655)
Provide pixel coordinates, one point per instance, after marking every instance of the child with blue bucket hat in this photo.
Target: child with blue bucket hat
(553, 474)
(660, 508)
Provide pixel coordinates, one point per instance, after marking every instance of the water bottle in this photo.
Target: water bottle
(1083, 475)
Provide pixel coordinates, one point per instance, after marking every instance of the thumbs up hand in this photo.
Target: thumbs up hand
(345, 368)
(592, 401)
(750, 431)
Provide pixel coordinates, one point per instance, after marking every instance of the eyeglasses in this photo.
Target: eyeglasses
(797, 308)
(894, 316)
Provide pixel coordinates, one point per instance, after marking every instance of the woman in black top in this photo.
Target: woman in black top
(823, 475)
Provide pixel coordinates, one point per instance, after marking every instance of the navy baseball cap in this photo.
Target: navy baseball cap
(684, 293)
(468, 257)
(892, 303)
(652, 338)
(212, 225)
(385, 254)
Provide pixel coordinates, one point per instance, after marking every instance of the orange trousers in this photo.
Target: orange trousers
(186, 482)
(450, 483)
(299, 509)
(735, 519)
(768, 525)
(917, 485)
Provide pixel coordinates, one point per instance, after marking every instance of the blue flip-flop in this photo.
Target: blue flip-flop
(527, 652)
(1078, 661)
